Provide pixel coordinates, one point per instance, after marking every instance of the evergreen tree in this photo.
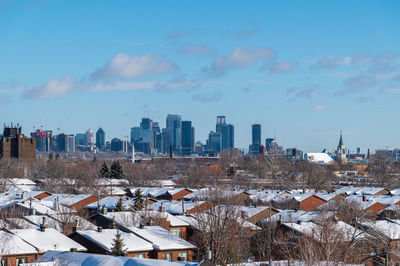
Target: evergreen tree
(116, 170)
(119, 205)
(138, 200)
(117, 248)
(104, 171)
(51, 156)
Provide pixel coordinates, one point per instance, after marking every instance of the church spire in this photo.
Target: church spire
(341, 140)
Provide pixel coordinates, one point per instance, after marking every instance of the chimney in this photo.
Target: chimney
(171, 151)
(112, 225)
(298, 222)
(43, 225)
(280, 220)
(99, 229)
(141, 226)
(104, 210)
(243, 215)
(162, 208)
(364, 198)
(73, 250)
(208, 255)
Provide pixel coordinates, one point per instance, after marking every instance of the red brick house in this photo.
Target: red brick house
(100, 241)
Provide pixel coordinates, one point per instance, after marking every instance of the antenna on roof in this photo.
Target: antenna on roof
(274, 133)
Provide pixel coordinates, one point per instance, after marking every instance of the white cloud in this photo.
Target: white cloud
(281, 67)
(126, 66)
(319, 107)
(52, 88)
(242, 57)
(332, 61)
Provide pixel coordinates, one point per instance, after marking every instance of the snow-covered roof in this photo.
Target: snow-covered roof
(71, 200)
(175, 207)
(50, 239)
(22, 181)
(85, 259)
(389, 229)
(106, 237)
(110, 203)
(161, 239)
(11, 244)
(349, 232)
(297, 196)
(264, 195)
(319, 157)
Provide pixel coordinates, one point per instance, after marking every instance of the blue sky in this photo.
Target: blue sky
(305, 68)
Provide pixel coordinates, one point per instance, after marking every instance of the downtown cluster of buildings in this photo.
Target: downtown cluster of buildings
(178, 137)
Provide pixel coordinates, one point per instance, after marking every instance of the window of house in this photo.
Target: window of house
(183, 256)
(167, 256)
(139, 256)
(21, 260)
(397, 245)
(176, 231)
(3, 262)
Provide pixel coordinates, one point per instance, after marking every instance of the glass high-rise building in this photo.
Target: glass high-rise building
(174, 127)
(100, 139)
(256, 139)
(187, 138)
(228, 137)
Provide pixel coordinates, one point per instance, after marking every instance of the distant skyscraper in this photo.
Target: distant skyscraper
(214, 142)
(228, 137)
(146, 123)
(81, 139)
(71, 143)
(221, 121)
(62, 142)
(89, 137)
(174, 125)
(116, 145)
(256, 139)
(187, 138)
(100, 139)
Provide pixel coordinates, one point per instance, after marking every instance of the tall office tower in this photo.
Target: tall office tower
(13, 144)
(254, 148)
(146, 123)
(41, 140)
(71, 143)
(156, 138)
(81, 139)
(187, 138)
(221, 120)
(174, 125)
(166, 140)
(228, 137)
(89, 137)
(62, 142)
(117, 145)
(100, 139)
(214, 142)
(269, 144)
(141, 138)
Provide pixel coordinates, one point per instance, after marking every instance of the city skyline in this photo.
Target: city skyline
(307, 75)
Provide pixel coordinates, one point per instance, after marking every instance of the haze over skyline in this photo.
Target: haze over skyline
(306, 69)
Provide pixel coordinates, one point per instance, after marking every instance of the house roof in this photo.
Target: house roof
(310, 228)
(110, 203)
(73, 199)
(11, 244)
(106, 238)
(387, 228)
(50, 239)
(85, 259)
(161, 239)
